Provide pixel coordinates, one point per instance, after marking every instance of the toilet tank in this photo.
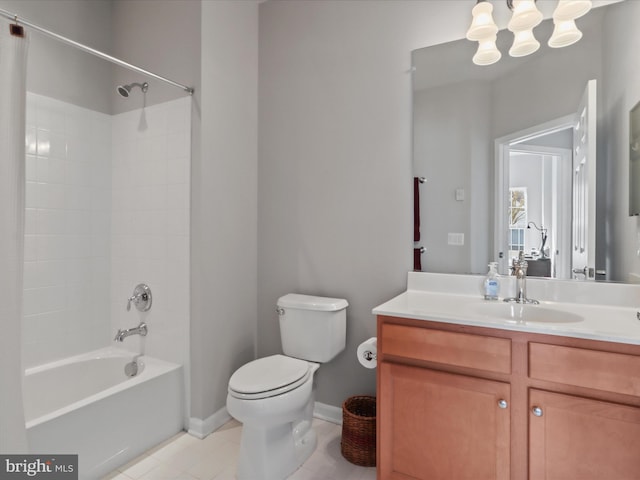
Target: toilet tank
(312, 328)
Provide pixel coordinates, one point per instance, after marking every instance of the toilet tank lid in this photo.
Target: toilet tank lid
(310, 302)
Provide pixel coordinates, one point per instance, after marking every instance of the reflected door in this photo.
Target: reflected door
(584, 187)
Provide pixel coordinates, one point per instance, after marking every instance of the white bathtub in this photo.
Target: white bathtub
(86, 405)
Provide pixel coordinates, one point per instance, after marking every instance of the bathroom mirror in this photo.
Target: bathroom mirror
(634, 160)
(460, 110)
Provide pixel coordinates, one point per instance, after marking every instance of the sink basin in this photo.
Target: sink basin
(518, 313)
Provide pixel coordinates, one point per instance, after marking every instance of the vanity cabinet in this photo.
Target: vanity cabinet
(462, 402)
(441, 425)
(436, 424)
(572, 437)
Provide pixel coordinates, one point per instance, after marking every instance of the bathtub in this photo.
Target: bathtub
(86, 405)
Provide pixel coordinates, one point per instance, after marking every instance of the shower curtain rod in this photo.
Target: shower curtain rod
(92, 51)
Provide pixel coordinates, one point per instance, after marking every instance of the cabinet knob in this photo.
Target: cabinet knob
(502, 403)
(537, 411)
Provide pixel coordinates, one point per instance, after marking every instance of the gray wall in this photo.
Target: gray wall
(162, 36)
(211, 45)
(452, 150)
(224, 204)
(58, 71)
(543, 95)
(166, 42)
(334, 175)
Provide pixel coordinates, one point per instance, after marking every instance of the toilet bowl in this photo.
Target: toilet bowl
(276, 436)
(273, 396)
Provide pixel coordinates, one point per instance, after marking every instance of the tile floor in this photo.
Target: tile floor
(184, 457)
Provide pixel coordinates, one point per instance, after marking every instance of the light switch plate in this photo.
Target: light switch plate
(455, 239)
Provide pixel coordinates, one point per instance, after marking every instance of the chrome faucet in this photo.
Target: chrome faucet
(139, 330)
(519, 269)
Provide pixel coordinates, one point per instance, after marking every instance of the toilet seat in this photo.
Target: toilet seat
(268, 377)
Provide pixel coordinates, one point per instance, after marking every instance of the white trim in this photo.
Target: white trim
(201, 428)
(328, 413)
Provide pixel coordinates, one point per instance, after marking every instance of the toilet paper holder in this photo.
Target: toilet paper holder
(369, 355)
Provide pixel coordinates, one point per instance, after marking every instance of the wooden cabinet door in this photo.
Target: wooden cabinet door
(441, 426)
(579, 438)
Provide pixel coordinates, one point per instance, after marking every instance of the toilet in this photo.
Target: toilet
(273, 397)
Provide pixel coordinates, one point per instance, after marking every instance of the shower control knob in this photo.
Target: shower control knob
(141, 298)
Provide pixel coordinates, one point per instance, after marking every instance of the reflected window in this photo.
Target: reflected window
(517, 219)
(516, 241)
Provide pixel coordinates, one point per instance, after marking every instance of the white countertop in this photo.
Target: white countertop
(568, 313)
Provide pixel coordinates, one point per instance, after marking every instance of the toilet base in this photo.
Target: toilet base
(276, 452)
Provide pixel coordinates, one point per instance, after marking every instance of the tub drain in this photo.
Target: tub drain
(131, 369)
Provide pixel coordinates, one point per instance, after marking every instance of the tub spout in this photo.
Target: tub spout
(139, 330)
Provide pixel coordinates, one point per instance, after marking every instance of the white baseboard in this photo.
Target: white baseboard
(328, 413)
(201, 428)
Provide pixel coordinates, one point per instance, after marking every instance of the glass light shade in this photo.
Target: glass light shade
(524, 43)
(487, 52)
(571, 9)
(525, 15)
(482, 25)
(564, 34)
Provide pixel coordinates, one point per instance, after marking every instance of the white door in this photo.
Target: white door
(583, 261)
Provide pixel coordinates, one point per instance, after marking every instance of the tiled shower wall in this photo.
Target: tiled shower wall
(107, 207)
(67, 230)
(150, 225)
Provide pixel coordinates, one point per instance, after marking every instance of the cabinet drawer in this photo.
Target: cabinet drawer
(608, 371)
(458, 349)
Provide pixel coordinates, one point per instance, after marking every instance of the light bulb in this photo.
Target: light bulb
(565, 33)
(487, 52)
(482, 25)
(571, 9)
(524, 43)
(525, 15)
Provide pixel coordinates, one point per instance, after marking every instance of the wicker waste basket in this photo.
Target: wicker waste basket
(359, 430)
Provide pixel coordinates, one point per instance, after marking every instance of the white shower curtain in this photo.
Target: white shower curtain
(13, 69)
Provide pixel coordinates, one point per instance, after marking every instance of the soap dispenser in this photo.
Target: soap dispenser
(492, 283)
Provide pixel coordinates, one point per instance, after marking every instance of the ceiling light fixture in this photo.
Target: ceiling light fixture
(482, 25)
(487, 52)
(524, 43)
(565, 33)
(524, 19)
(571, 9)
(525, 16)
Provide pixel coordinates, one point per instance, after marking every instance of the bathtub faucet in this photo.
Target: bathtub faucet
(139, 330)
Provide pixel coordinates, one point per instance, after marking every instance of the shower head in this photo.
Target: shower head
(124, 90)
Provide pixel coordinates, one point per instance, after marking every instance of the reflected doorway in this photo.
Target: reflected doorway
(540, 207)
(535, 199)
(576, 134)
